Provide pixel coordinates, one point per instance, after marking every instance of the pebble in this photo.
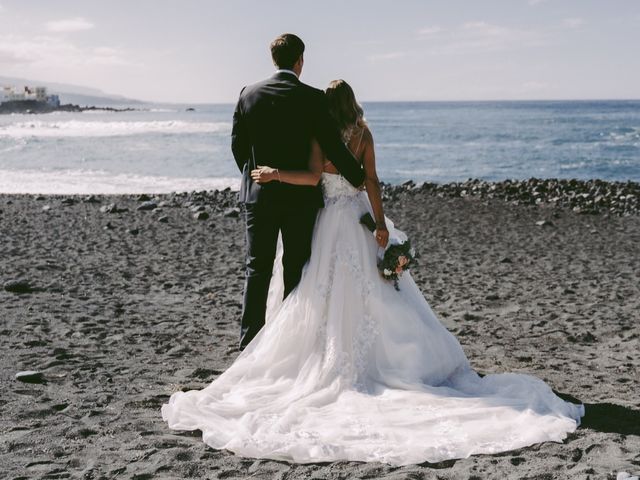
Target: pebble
(544, 223)
(134, 231)
(112, 208)
(30, 376)
(46, 208)
(147, 205)
(232, 212)
(201, 215)
(18, 286)
(163, 219)
(144, 198)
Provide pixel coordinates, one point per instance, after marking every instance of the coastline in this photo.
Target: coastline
(132, 297)
(593, 196)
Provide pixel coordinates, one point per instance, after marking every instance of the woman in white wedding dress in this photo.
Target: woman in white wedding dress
(349, 368)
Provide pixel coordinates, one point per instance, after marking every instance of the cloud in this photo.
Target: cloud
(69, 25)
(536, 2)
(430, 30)
(575, 22)
(533, 85)
(377, 57)
(482, 37)
(56, 53)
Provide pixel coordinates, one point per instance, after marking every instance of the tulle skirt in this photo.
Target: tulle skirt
(349, 368)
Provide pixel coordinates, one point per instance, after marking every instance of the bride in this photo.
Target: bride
(349, 368)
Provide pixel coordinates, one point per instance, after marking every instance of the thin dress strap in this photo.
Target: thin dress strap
(355, 153)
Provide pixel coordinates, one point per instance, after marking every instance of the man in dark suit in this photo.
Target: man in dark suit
(274, 123)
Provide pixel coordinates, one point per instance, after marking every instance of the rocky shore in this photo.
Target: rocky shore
(581, 196)
(111, 303)
(33, 106)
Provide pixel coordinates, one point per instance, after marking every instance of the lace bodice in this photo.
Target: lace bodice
(335, 187)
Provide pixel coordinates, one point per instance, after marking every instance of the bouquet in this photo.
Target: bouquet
(398, 255)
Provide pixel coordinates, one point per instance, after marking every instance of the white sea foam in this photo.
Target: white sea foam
(102, 182)
(78, 128)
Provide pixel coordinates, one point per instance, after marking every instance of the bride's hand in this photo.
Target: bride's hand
(382, 236)
(264, 174)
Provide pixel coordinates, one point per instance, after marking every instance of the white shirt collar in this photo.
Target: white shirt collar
(286, 70)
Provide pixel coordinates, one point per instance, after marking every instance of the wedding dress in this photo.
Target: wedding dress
(349, 368)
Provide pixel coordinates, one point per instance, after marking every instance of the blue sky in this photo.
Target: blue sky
(206, 50)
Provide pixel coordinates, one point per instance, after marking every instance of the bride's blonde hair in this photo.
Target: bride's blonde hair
(344, 108)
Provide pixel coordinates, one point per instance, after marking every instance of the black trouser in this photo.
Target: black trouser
(263, 224)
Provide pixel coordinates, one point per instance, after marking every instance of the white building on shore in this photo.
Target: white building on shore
(20, 94)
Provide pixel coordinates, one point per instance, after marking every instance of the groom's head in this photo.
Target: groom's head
(286, 52)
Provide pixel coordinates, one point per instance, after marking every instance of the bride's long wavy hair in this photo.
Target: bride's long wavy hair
(344, 108)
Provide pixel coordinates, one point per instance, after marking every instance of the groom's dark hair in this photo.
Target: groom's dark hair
(286, 50)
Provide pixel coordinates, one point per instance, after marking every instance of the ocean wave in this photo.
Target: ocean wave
(79, 181)
(77, 128)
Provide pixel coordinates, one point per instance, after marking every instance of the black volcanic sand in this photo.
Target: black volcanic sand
(120, 309)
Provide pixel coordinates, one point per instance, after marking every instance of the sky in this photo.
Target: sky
(204, 51)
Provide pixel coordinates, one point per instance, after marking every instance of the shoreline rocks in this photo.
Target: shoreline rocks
(582, 196)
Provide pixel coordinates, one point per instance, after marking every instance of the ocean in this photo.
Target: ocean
(167, 148)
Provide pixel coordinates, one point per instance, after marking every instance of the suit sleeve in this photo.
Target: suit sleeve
(240, 145)
(329, 139)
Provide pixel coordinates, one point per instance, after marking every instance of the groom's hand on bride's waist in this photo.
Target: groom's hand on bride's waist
(264, 174)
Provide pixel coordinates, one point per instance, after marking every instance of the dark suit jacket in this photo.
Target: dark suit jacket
(276, 120)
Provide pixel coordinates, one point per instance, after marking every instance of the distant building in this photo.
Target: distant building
(18, 94)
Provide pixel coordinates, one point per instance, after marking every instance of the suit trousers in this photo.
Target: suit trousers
(263, 223)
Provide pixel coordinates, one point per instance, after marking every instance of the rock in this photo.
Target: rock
(133, 231)
(68, 201)
(232, 212)
(147, 205)
(144, 198)
(112, 208)
(544, 223)
(201, 215)
(506, 260)
(198, 208)
(40, 197)
(163, 219)
(18, 286)
(108, 226)
(30, 376)
(91, 199)
(46, 208)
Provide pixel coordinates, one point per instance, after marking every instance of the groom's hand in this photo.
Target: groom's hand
(264, 174)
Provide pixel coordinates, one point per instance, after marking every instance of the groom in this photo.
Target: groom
(273, 124)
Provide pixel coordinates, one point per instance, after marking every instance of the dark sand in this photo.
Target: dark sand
(117, 321)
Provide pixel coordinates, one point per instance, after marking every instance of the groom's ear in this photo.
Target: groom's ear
(300, 63)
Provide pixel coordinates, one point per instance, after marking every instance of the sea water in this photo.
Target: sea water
(166, 148)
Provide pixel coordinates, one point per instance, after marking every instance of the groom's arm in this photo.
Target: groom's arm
(240, 145)
(329, 139)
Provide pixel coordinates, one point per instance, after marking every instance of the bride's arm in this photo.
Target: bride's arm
(372, 185)
(311, 176)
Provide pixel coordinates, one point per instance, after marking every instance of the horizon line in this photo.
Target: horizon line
(595, 99)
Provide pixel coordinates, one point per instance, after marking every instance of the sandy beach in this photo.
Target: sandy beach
(114, 302)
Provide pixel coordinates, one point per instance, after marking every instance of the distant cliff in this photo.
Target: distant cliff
(34, 106)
